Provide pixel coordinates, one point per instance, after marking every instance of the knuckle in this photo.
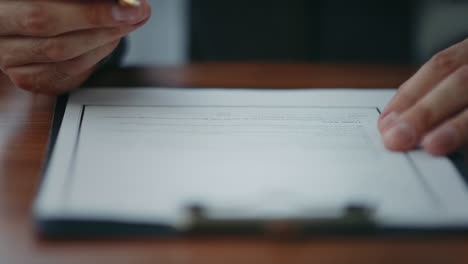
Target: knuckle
(445, 60)
(6, 60)
(43, 81)
(55, 74)
(461, 125)
(462, 75)
(52, 49)
(425, 115)
(37, 20)
(406, 96)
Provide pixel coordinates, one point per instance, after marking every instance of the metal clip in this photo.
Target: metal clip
(356, 218)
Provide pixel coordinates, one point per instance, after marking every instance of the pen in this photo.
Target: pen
(129, 2)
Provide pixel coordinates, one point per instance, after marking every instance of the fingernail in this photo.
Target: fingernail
(131, 15)
(388, 120)
(399, 137)
(442, 140)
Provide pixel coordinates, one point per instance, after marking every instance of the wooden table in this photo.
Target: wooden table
(24, 126)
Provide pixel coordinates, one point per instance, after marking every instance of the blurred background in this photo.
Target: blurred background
(411, 31)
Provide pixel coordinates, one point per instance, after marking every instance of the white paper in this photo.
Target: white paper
(143, 155)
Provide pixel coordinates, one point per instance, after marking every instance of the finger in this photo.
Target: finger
(45, 78)
(52, 18)
(433, 72)
(67, 85)
(449, 136)
(444, 101)
(17, 51)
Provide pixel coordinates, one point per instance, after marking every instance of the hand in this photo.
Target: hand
(51, 46)
(431, 107)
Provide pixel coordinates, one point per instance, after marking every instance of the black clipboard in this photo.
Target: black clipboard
(356, 221)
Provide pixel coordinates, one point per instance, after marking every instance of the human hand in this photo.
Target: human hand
(431, 107)
(50, 46)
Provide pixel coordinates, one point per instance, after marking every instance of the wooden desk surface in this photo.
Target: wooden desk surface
(24, 125)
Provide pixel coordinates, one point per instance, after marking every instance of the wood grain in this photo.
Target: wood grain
(24, 126)
(261, 75)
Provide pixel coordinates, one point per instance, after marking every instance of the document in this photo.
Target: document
(145, 155)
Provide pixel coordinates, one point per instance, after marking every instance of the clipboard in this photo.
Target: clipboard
(356, 219)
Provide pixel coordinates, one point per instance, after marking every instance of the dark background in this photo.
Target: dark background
(302, 30)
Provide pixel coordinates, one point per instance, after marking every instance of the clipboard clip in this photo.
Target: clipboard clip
(356, 218)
